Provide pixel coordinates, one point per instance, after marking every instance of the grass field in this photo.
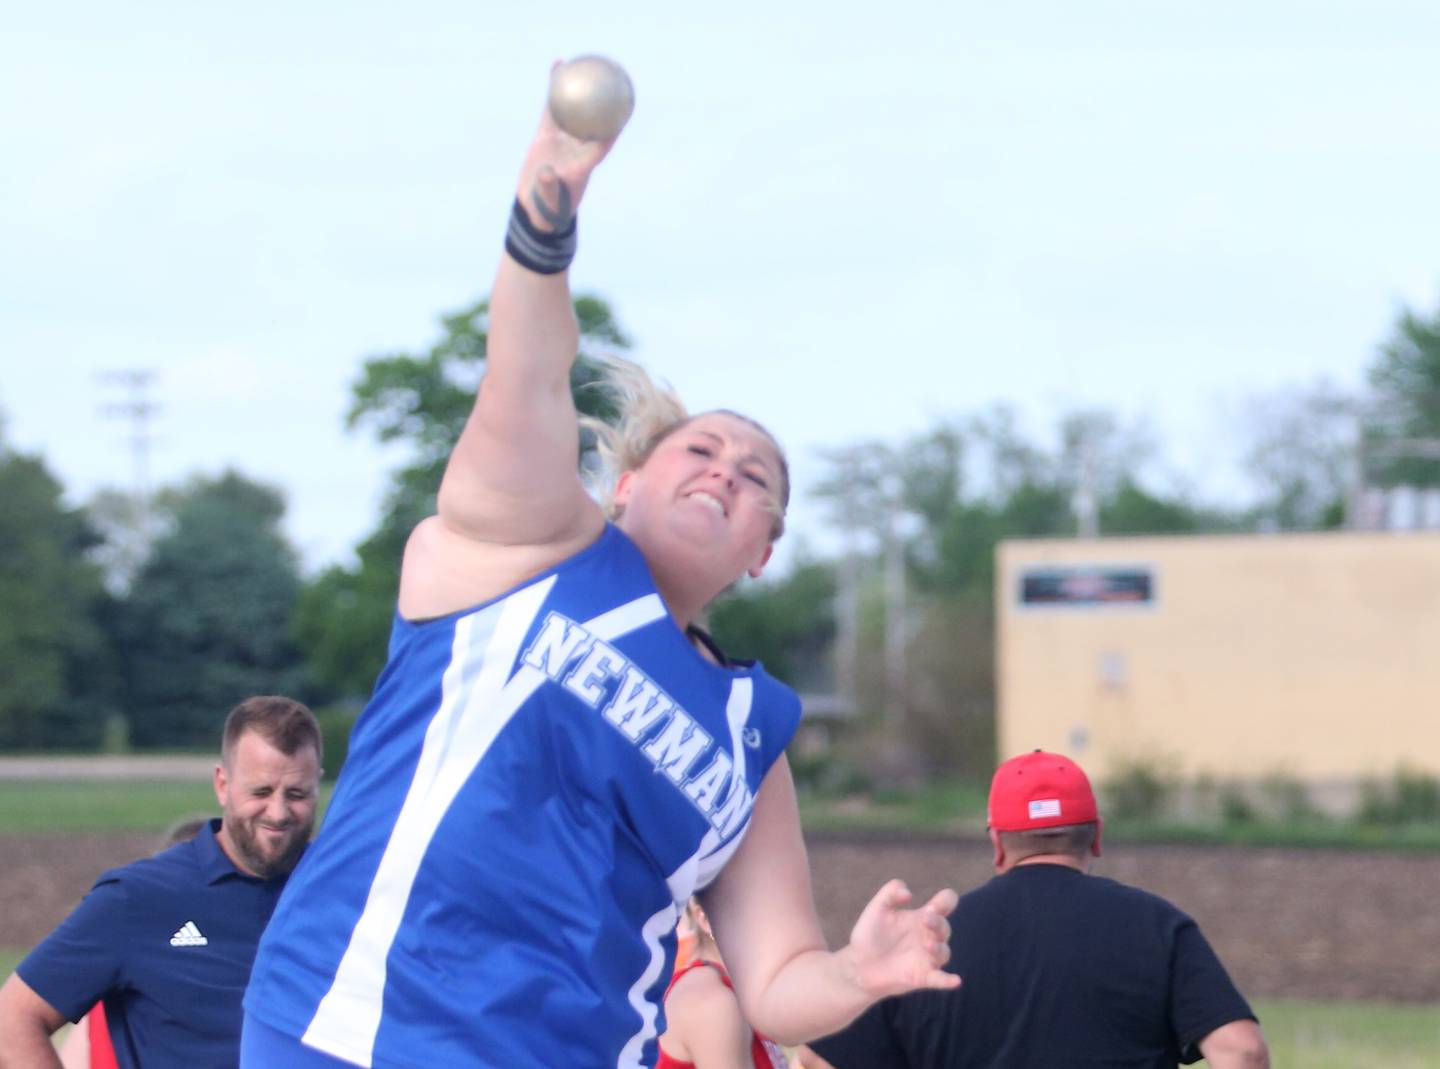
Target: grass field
(43, 806)
(1315, 1035)
(40, 807)
(959, 806)
(1347, 1035)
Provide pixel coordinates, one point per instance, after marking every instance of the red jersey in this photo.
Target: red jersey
(102, 1052)
(765, 1053)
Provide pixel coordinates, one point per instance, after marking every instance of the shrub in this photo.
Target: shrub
(1235, 806)
(1140, 790)
(1286, 798)
(1408, 797)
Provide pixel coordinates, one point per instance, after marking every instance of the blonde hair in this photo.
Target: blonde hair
(647, 413)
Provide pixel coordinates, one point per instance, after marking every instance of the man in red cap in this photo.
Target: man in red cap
(1060, 968)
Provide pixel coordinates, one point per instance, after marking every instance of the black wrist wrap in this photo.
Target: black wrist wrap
(544, 252)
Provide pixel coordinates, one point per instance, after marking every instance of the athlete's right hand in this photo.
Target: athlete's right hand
(556, 170)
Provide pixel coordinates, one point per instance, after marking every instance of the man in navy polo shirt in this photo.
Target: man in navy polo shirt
(1060, 968)
(167, 942)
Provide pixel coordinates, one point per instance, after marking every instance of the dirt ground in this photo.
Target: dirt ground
(1287, 923)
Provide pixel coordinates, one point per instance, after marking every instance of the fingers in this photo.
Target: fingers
(895, 894)
(910, 946)
(936, 927)
(943, 902)
(935, 912)
(942, 981)
(937, 937)
(937, 979)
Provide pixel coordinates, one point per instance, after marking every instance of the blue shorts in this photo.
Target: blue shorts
(263, 1047)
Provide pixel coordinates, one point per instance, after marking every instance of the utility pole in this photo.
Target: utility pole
(896, 631)
(847, 621)
(1086, 501)
(900, 528)
(138, 409)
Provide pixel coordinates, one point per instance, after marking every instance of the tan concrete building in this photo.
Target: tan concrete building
(1315, 656)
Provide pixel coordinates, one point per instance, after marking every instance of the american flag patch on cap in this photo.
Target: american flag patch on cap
(1044, 807)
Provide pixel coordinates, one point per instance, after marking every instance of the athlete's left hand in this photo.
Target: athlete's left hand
(894, 949)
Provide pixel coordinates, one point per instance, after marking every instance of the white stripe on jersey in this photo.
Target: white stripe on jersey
(714, 853)
(660, 924)
(697, 872)
(476, 703)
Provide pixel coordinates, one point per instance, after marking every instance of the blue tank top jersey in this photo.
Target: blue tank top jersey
(533, 791)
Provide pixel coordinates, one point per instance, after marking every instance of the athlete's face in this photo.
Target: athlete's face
(267, 805)
(716, 484)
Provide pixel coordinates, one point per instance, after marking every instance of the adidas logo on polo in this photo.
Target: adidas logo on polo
(188, 936)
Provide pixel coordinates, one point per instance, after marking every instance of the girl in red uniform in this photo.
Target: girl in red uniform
(704, 1026)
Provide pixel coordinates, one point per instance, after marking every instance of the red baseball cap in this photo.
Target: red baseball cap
(1040, 790)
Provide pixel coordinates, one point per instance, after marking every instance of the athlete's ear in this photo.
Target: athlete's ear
(1099, 829)
(623, 487)
(754, 571)
(998, 847)
(222, 784)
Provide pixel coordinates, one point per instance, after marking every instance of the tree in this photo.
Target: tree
(1402, 428)
(788, 622)
(1300, 456)
(421, 400)
(54, 659)
(1131, 509)
(123, 523)
(965, 485)
(208, 619)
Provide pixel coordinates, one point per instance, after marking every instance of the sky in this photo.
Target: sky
(849, 221)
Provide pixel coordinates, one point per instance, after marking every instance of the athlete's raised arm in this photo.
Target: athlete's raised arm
(511, 502)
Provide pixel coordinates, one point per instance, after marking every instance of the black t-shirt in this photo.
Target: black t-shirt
(1060, 970)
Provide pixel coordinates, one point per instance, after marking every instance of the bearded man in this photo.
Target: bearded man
(166, 943)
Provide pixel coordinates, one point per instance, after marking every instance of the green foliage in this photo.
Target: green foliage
(950, 708)
(45, 806)
(823, 776)
(422, 401)
(1324, 835)
(54, 657)
(1408, 797)
(790, 621)
(11, 957)
(1139, 790)
(1036, 510)
(1299, 455)
(1134, 510)
(1343, 1035)
(1236, 807)
(960, 489)
(1286, 798)
(343, 619)
(336, 723)
(944, 805)
(1406, 382)
(963, 558)
(207, 621)
(1279, 799)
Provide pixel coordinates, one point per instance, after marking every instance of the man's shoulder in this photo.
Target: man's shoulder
(1138, 897)
(1051, 883)
(177, 864)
